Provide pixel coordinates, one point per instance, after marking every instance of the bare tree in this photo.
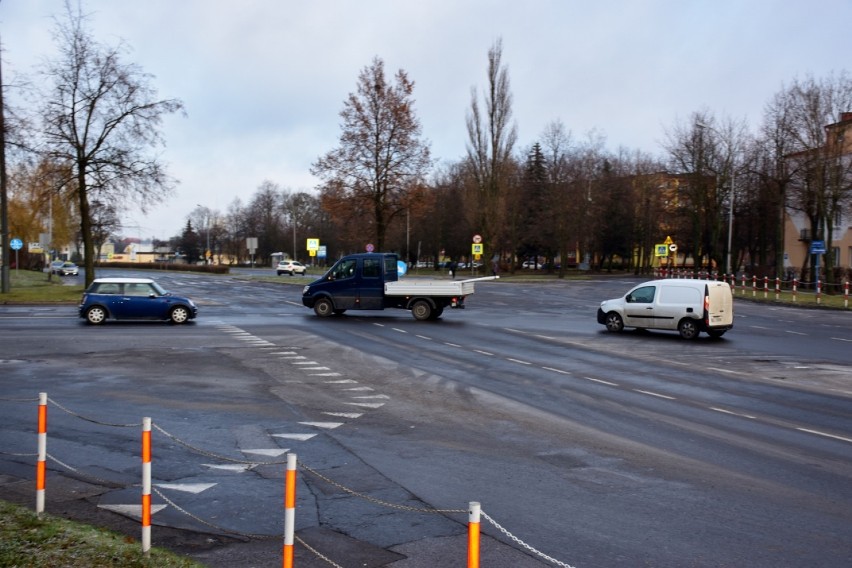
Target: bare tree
(381, 159)
(99, 117)
(491, 140)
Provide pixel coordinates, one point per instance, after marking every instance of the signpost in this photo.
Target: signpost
(16, 244)
(817, 248)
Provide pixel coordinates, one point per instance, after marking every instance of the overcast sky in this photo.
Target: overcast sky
(263, 81)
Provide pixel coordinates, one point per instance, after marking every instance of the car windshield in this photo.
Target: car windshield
(159, 289)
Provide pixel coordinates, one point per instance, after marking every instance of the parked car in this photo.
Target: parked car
(63, 268)
(686, 306)
(291, 267)
(133, 298)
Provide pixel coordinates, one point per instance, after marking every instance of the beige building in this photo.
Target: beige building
(797, 231)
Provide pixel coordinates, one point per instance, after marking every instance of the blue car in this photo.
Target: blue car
(133, 298)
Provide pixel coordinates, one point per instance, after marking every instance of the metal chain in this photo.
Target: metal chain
(18, 455)
(93, 421)
(317, 553)
(211, 454)
(522, 543)
(19, 399)
(379, 501)
(83, 474)
(212, 525)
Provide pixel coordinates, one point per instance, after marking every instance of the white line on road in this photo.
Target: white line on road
(732, 413)
(601, 381)
(557, 370)
(481, 352)
(655, 394)
(518, 361)
(795, 332)
(827, 435)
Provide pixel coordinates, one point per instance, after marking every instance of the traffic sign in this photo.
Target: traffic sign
(16, 244)
(477, 239)
(661, 250)
(370, 247)
(817, 247)
(673, 247)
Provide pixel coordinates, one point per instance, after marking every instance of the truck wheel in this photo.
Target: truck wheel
(324, 308)
(687, 328)
(421, 310)
(613, 322)
(436, 313)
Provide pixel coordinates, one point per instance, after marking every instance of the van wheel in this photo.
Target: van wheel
(421, 310)
(323, 307)
(614, 322)
(716, 333)
(687, 328)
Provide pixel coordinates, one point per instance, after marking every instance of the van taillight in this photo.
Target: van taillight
(707, 310)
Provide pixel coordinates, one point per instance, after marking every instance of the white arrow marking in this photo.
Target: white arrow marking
(229, 467)
(366, 404)
(187, 487)
(299, 437)
(274, 452)
(132, 510)
(345, 414)
(327, 425)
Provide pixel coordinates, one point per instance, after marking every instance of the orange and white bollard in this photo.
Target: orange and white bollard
(795, 286)
(819, 292)
(41, 463)
(146, 486)
(473, 514)
(289, 509)
(846, 294)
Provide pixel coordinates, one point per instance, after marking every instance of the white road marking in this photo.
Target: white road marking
(187, 487)
(518, 361)
(601, 381)
(557, 370)
(826, 434)
(655, 394)
(733, 413)
(297, 437)
(483, 352)
(326, 425)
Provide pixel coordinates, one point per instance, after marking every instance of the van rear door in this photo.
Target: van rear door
(718, 305)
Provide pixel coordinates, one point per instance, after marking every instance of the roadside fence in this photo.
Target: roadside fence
(292, 465)
(794, 290)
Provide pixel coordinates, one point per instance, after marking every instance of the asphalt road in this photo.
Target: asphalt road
(596, 449)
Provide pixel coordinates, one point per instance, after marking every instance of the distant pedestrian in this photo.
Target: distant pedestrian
(452, 267)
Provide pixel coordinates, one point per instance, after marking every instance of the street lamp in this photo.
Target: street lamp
(207, 225)
(731, 201)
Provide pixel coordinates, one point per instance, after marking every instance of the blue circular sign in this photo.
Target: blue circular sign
(401, 268)
(16, 244)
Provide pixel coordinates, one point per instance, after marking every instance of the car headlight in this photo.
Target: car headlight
(305, 290)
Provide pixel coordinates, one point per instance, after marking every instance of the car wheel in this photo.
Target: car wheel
(421, 310)
(716, 333)
(613, 322)
(96, 315)
(280, 273)
(688, 328)
(179, 314)
(323, 307)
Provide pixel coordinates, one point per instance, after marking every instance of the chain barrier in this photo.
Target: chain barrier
(18, 455)
(72, 469)
(18, 399)
(244, 536)
(522, 543)
(317, 553)
(211, 454)
(249, 536)
(92, 420)
(379, 501)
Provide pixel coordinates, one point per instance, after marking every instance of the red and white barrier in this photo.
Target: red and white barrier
(41, 463)
(289, 510)
(146, 486)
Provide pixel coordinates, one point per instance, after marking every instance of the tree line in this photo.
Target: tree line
(90, 146)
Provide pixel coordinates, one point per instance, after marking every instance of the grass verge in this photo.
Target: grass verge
(27, 540)
(29, 287)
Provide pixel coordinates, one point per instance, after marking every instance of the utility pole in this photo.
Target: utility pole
(4, 203)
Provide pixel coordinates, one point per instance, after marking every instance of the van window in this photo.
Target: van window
(344, 269)
(372, 268)
(643, 295)
(670, 294)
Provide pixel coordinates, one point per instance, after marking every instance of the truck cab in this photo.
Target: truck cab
(355, 282)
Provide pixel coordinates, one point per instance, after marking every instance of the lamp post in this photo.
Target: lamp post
(731, 200)
(207, 226)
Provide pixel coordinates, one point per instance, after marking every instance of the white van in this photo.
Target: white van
(688, 306)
